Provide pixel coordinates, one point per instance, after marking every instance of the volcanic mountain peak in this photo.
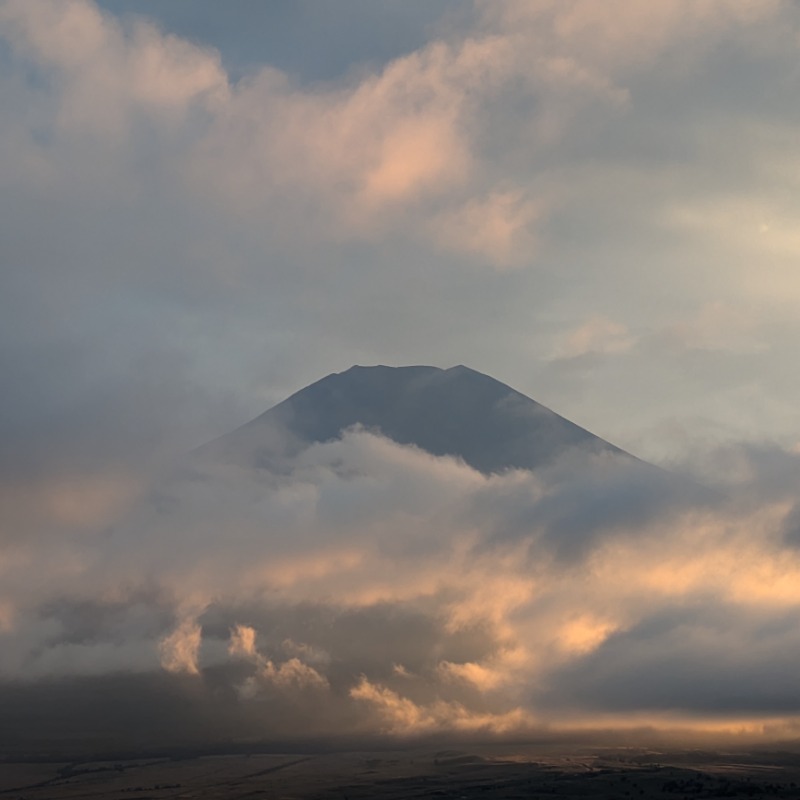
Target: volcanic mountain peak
(456, 411)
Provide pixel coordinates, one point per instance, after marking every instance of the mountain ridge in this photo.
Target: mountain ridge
(456, 411)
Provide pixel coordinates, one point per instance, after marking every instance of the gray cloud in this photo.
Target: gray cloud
(703, 658)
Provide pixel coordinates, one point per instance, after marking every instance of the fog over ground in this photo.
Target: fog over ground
(204, 210)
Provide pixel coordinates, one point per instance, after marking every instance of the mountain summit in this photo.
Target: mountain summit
(456, 411)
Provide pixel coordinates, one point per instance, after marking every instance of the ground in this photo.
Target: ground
(471, 772)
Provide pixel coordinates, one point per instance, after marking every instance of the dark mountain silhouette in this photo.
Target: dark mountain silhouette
(457, 411)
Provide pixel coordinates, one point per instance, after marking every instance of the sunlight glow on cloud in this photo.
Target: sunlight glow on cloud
(179, 650)
(382, 152)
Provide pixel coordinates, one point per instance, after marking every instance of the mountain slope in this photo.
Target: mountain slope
(456, 411)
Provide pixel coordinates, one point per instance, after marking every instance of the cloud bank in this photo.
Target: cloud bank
(374, 589)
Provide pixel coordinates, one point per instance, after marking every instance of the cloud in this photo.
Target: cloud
(179, 650)
(403, 717)
(243, 642)
(371, 587)
(144, 71)
(596, 335)
(376, 154)
(497, 227)
(290, 674)
(569, 195)
(623, 36)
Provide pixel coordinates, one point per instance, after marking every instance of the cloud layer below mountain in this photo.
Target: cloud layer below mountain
(375, 589)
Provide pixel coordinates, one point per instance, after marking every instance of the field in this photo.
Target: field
(481, 772)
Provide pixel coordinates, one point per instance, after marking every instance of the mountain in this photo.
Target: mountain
(456, 411)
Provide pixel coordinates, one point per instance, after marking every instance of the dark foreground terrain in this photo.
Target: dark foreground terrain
(480, 772)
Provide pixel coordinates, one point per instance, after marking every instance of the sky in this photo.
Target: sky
(207, 206)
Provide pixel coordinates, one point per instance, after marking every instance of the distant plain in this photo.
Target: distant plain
(502, 771)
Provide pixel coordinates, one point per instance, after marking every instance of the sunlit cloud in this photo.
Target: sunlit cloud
(596, 335)
(179, 650)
